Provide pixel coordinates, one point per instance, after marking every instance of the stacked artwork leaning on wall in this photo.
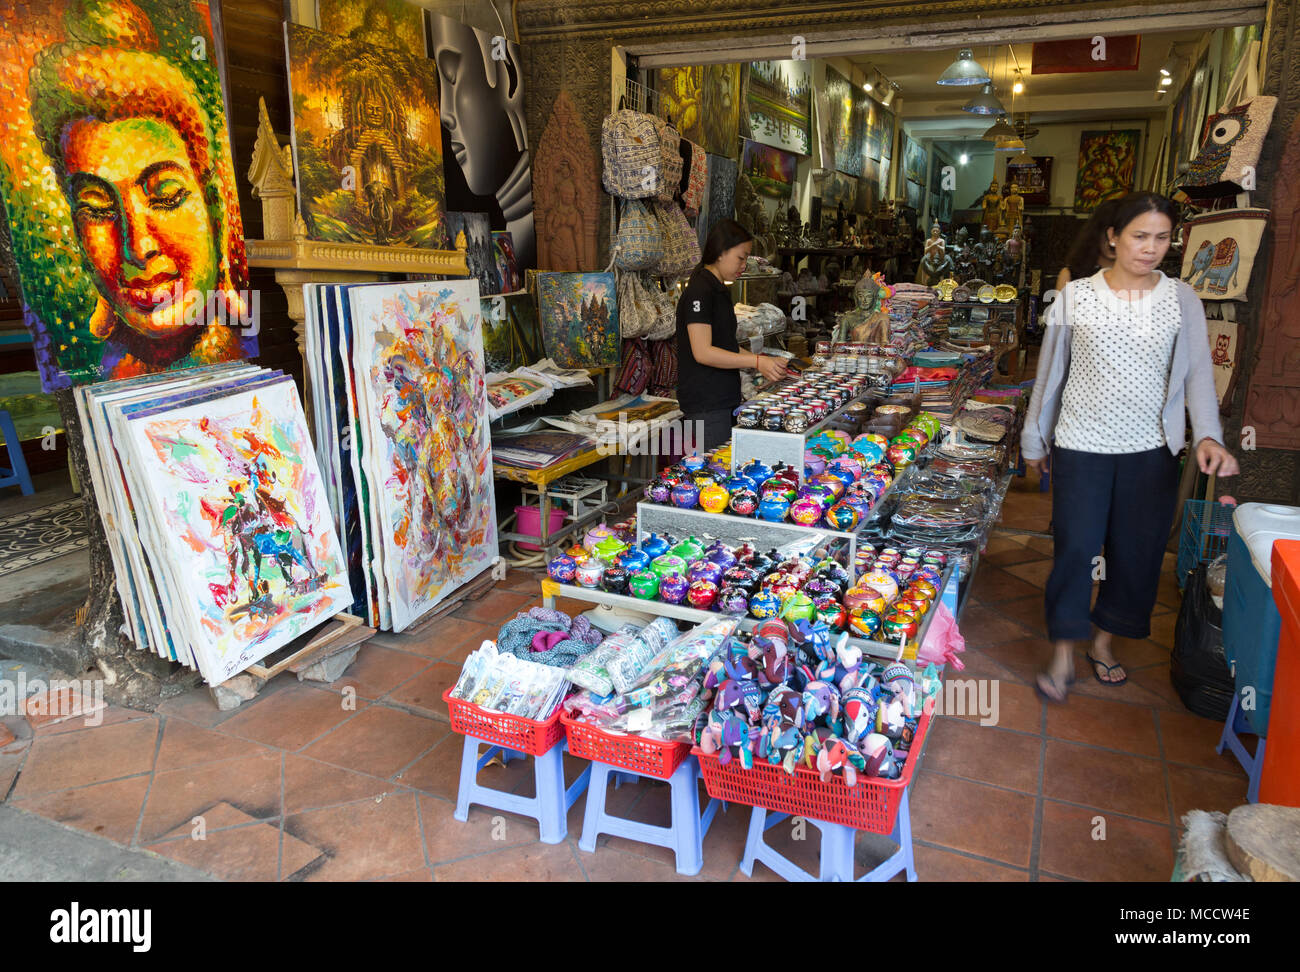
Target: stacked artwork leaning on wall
(215, 513)
(113, 116)
(405, 446)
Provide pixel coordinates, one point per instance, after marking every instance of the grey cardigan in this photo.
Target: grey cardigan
(1191, 378)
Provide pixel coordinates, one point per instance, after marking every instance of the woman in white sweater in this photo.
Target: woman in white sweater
(1124, 355)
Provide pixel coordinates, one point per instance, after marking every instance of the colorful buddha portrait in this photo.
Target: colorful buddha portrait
(131, 142)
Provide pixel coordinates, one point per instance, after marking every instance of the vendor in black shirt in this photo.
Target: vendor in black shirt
(708, 357)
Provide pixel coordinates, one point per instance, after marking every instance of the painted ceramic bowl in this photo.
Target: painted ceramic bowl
(714, 498)
(668, 564)
(936, 557)
(644, 584)
(738, 482)
(704, 570)
(820, 587)
(686, 496)
(764, 604)
(720, 554)
(562, 569)
(797, 420)
(847, 463)
(834, 571)
(634, 560)
(831, 482)
(798, 607)
(923, 588)
(774, 509)
(897, 628)
(589, 574)
(615, 580)
(595, 535)
(658, 491)
(864, 623)
(831, 613)
(743, 502)
(609, 549)
(928, 573)
(672, 588)
(912, 609)
(882, 581)
(822, 493)
(785, 586)
(689, 549)
(757, 471)
(780, 488)
(900, 456)
(774, 419)
(741, 577)
(579, 553)
(655, 545)
(702, 594)
(843, 516)
(814, 465)
(864, 598)
(733, 600)
(869, 451)
(693, 463)
(749, 417)
(760, 563)
(806, 511)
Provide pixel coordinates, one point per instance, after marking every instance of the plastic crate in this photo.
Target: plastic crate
(513, 732)
(641, 754)
(870, 804)
(1204, 535)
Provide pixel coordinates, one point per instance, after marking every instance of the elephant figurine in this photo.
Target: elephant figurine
(1216, 264)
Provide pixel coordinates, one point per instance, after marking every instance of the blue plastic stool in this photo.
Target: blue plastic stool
(1234, 724)
(685, 837)
(15, 474)
(836, 850)
(549, 807)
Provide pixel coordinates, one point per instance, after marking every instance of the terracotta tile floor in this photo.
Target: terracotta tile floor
(313, 782)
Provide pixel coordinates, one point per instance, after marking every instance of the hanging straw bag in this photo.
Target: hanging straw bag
(681, 245)
(639, 237)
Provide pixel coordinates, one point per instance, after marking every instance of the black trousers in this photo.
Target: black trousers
(1111, 516)
(713, 429)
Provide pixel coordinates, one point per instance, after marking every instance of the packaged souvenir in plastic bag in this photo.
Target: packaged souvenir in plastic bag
(475, 668)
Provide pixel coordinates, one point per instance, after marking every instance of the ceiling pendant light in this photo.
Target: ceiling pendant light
(964, 71)
(1012, 144)
(1000, 129)
(985, 103)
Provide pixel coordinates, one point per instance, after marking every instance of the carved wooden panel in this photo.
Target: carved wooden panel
(566, 195)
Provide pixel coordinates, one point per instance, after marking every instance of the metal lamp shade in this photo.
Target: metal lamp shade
(999, 130)
(1012, 144)
(985, 103)
(964, 71)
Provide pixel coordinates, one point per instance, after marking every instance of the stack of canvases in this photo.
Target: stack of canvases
(402, 435)
(214, 511)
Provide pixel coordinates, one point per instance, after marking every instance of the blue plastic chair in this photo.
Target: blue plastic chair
(685, 837)
(15, 474)
(550, 807)
(836, 850)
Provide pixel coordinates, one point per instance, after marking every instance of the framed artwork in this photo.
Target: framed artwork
(721, 104)
(723, 173)
(771, 171)
(486, 156)
(579, 315)
(838, 102)
(861, 117)
(915, 194)
(367, 142)
(868, 195)
(779, 102)
(511, 334)
(146, 112)
(838, 190)
(1107, 167)
(915, 160)
(1179, 132)
(681, 100)
(503, 250)
(1202, 87)
(1034, 179)
(872, 129)
(379, 23)
(419, 363)
(236, 518)
(1236, 43)
(480, 252)
(887, 122)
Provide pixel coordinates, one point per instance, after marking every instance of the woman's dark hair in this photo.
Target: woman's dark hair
(1136, 204)
(1082, 259)
(725, 234)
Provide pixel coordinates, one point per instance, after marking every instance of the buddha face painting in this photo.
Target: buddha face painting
(140, 218)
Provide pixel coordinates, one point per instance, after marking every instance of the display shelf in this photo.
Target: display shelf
(681, 612)
(749, 444)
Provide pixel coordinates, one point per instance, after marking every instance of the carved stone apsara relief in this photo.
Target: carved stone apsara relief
(565, 181)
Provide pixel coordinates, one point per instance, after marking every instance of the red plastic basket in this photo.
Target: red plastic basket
(651, 757)
(514, 732)
(870, 804)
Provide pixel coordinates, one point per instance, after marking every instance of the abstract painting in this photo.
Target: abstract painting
(1033, 178)
(367, 142)
(112, 114)
(503, 251)
(779, 101)
(915, 194)
(480, 255)
(419, 363)
(915, 161)
(380, 23)
(838, 190)
(769, 169)
(721, 104)
(237, 520)
(887, 121)
(485, 150)
(579, 314)
(1107, 167)
(845, 143)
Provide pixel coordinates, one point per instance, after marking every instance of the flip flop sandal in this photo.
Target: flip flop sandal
(1109, 668)
(1046, 696)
